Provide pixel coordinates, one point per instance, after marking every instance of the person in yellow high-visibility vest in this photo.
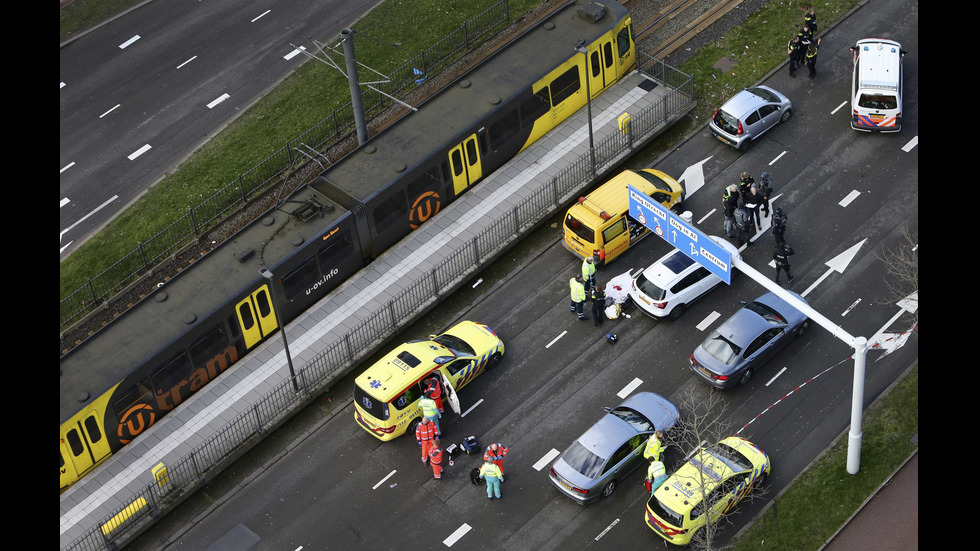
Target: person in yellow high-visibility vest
(654, 447)
(656, 475)
(491, 473)
(431, 410)
(578, 297)
(588, 274)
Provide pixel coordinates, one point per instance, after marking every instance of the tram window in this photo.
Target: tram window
(457, 159)
(301, 278)
(607, 54)
(75, 443)
(245, 311)
(504, 129)
(428, 181)
(471, 155)
(170, 375)
(623, 41)
(394, 208)
(206, 348)
(262, 303)
(565, 85)
(596, 64)
(337, 249)
(534, 107)
(139, 393)
(62, 459)
(92, 426)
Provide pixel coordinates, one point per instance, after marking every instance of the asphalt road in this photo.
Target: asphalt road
(141, 93)
(339, 488)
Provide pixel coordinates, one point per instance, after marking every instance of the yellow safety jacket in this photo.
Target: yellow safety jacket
(654, 448)
(578, 290)
(429, 408)
(489, 469)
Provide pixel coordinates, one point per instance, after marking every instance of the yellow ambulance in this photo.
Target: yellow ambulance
(599, 225)
(386, 395)
(705, 488)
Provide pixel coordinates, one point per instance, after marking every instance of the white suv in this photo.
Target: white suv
(669, 285)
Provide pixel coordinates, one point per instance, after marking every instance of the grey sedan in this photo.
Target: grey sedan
(599, 459)
(731, 354)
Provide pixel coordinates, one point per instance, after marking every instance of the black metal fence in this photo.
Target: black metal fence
(339, 357)
(255, 181)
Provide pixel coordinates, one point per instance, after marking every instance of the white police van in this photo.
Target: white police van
(876, 88)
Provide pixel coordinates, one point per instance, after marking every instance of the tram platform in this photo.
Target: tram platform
(103, 494)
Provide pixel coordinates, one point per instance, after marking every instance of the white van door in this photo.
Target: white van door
(450, 393)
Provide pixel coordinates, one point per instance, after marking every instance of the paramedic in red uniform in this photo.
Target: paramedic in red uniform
(435, 459)
(425, 433)
(496, 452)
(435, 388)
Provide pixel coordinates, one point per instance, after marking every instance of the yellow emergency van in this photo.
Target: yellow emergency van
(705, 488)
(599, 225)
(386, 395)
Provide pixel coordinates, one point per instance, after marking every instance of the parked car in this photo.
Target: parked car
(600, 459)
(731, 354)
(750, 114)
(713, 481)
(669, 285)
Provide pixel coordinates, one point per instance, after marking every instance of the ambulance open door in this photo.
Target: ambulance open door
(450, 393)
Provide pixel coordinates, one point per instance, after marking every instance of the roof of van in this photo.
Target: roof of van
(880, 61)
(613, 196)
(401, 367)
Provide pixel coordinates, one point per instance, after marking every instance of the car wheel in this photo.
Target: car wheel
(676, 313)
(745, 376)
(608, 489)
(494, 361)
(787, 114)
(745, 145)
(413, 425)
(802, 328)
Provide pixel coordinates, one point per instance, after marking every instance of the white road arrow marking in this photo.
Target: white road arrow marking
(693, 177)
(889, 342)
(836, 264)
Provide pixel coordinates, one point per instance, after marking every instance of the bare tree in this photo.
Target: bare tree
(902, 267)
(703, 423)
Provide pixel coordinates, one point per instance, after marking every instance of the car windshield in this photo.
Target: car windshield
(584, 232)
(649, 288)
(878, 101)
(731, 457)
(726, 122)
(655, 180)
(582, 460)
(634, 418)
(767, 313)
(457, 345)
(764, 94)
(720, 348)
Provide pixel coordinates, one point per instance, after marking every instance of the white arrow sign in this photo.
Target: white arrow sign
(693, 177)
(836, 264)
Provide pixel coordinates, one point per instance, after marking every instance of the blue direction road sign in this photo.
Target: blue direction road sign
(661, 221)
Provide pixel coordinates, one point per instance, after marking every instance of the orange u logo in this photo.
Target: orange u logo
(426, 206)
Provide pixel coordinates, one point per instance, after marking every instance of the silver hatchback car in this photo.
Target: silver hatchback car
(748, 115)
(597, 461)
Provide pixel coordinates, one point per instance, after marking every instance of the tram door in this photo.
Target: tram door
(602, 66)
(465, 164)
(255, 316)
(84, 444)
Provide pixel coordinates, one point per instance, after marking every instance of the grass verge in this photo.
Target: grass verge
(824, 496)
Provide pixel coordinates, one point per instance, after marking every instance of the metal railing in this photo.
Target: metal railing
(324, 134)
(339, 357)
